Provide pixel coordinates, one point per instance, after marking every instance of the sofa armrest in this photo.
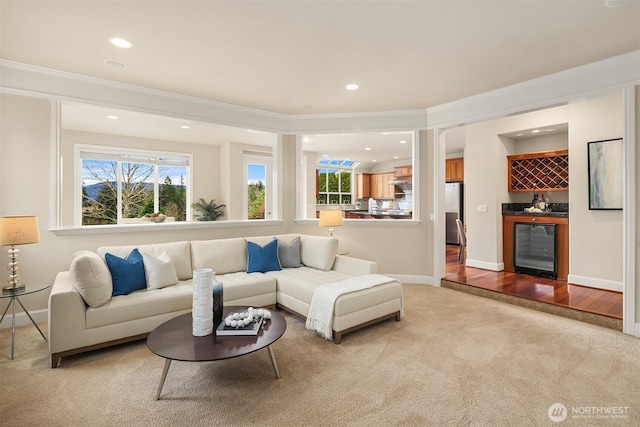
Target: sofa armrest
(67, 314)
(354, 266)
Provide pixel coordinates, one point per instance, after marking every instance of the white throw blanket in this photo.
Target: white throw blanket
(320, 316)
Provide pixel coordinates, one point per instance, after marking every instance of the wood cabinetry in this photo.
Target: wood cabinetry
(562, 236)
(403, 171)
(363, 186)
(380, 187)
(454, 170)
(541, 171)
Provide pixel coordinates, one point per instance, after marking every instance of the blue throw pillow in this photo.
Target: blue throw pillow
(262, 258)
(127, 274)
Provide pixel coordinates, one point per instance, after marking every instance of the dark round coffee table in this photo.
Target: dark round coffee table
(174, 340)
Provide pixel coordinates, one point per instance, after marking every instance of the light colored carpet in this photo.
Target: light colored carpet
(455, 359)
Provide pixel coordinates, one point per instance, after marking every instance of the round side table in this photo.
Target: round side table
(15, 296)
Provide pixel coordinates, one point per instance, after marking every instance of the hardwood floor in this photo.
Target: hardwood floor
(575, 301)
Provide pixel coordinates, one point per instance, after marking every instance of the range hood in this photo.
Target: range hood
(404, 184)
(400, 181)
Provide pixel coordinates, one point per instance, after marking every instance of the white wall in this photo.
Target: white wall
(591, 261)
(595, 237)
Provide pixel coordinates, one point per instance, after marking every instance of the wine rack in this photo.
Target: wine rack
(542, 171)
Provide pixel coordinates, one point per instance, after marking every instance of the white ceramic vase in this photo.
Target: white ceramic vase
(202, 308)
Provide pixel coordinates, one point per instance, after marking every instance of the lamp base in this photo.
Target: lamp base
(13, 289)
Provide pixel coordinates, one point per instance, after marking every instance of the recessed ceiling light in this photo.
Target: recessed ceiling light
(351, 86)
(549, 130)
(395, 157)
(305, 139)
(112, 117)
(115, 64)
(520, 134)
(306, 107)
(535, 131)
(367, 149)
(185, 127)
(117, 41)
(374, 161)
(403, 142)
(325, 155)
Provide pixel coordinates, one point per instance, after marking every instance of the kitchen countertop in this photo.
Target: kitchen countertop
(523, 213)
(557, 210)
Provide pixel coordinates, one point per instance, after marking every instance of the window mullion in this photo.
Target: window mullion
(119, 195)
(156, 188)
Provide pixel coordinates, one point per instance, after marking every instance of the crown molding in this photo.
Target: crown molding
(560, 88)
(551, 90)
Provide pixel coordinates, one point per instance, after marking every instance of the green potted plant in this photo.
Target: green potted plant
(208, 211)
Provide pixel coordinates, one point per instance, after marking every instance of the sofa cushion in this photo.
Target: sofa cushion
(241, 285)
(127, 274)
(300, 282)
(180, 253)
(289, 254)
(318, 252)
(261, 259)
(91, 278)
(222, 256)
(159, 271)
(141, 305)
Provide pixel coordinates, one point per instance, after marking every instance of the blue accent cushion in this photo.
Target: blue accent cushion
(262, 258)
(127, 274)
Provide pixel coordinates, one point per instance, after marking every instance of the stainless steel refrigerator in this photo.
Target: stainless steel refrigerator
(453, 202)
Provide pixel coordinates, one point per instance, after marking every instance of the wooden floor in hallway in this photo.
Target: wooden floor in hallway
(559, 297)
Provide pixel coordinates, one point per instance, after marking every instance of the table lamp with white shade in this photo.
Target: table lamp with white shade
(17, 230)
(331, 218)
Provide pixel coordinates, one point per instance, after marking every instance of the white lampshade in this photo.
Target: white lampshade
(19, 230)
(331, 218)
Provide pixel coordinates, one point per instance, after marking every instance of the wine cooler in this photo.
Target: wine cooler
(534, 249)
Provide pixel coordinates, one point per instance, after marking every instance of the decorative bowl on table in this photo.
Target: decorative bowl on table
(155, 217)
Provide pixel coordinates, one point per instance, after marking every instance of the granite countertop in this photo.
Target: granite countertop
(518, 209)
(523, 213)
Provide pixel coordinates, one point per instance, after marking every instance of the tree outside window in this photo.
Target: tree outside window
(335, 179)
(113, 189)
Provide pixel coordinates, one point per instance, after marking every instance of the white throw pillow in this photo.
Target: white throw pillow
(318, 252)
(160, 271)
(91, 278)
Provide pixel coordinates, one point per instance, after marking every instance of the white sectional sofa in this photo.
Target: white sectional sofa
(83, 314)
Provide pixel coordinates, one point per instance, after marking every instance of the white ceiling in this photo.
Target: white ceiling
(282, 55)
(295, 57)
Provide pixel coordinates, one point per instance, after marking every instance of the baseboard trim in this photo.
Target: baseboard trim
(493, 266)
(416, 279)
(637, 331)
(41, 315)
(610, 285)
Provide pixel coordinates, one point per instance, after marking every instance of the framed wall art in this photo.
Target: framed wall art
(605, 174)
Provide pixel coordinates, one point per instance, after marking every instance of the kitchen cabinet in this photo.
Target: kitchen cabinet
(380, 187)
(454, 170)
(562, 236)
(541, 171)
(403, 171)
(363, 185)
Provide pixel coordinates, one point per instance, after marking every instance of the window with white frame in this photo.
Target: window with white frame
(257, 174)
(116, 185)
(335, 181)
